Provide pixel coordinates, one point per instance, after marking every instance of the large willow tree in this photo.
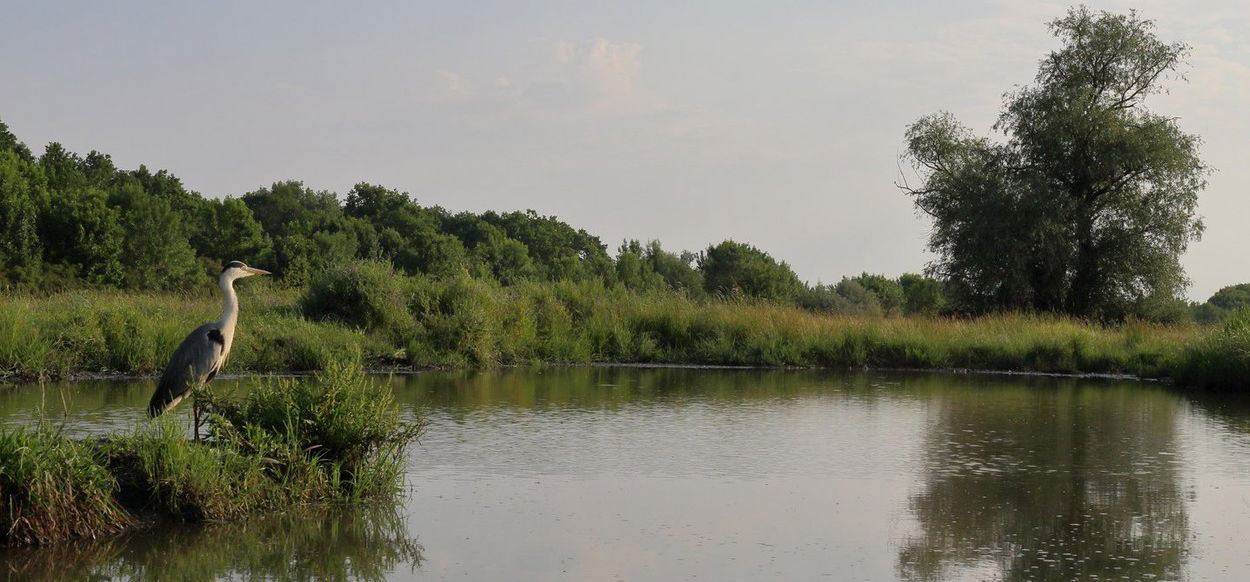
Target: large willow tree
(1089, 202)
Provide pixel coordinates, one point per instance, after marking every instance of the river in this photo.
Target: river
(692, 474)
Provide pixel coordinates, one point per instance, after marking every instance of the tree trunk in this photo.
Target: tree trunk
(1081, 299)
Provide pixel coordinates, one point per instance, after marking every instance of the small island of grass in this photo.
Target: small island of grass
(335, 437)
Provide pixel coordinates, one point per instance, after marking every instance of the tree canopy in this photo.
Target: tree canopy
(733, 267)
(72, 221)
(1223, 303)
(1087, 205)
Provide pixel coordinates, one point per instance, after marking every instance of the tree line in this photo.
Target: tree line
(70, 221)
(73, 221)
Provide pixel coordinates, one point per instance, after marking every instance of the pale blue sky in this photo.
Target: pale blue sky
(776, 123)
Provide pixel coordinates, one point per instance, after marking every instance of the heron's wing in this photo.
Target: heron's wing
(194, 362)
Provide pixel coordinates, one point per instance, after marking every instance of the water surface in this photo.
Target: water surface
(677, 474)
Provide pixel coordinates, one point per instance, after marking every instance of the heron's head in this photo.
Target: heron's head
(238, 270)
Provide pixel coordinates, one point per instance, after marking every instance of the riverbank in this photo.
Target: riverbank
(417, 322)
(334, 437)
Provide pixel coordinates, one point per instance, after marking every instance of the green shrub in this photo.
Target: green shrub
(364, 293)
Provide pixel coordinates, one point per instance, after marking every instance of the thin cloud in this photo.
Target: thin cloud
(448, 86)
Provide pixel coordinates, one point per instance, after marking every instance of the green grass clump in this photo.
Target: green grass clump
(159, 471)
(335, 437)
(53, 488)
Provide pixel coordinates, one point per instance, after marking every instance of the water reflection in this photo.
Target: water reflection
(612, 388)
(1062, 481)
(359, 543)
(89, 407)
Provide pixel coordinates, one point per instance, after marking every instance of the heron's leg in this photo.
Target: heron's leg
(195, 408)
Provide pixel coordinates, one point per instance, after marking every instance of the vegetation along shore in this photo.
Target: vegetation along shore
(397, 320)
(103, 270)
(334, 437)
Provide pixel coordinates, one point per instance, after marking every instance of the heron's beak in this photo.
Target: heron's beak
(255, 271)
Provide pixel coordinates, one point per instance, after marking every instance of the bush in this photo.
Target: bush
(365, 293)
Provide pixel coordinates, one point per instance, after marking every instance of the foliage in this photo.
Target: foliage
(733, 267)
(367, 294)
(155, 251)
(888, 292)
(1223, 303)
(876, 295)
(558, 250)
(143, 229)
(70, 221)
(857, 299)
(229, 232)
(922, 295)
(409, 236)
(21, 195)
(651, 267)
(1087, 206)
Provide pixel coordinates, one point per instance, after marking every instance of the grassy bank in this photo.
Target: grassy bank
(419, 321)
(110, 332)
(331, 438)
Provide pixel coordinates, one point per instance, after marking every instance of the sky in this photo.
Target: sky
(777, 123)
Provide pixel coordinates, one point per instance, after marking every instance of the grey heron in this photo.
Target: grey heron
(200, 356)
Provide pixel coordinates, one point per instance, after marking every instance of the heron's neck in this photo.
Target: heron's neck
(230, 314)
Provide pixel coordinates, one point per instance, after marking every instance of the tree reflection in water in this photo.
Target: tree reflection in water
(315, 543)
(1061, 480)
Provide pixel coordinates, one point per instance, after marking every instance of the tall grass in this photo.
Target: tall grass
(108, 332)
(160, 472)
(338, 435)
(1220, 360)
(470, 322)
(462, 321)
